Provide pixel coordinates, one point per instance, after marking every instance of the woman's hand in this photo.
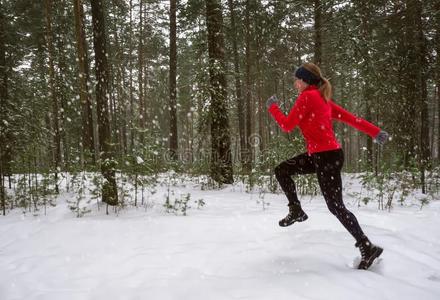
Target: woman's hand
(381, 137)
(272, 100)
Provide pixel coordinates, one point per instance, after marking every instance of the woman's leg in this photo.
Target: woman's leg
(301, 164)
(328, 168)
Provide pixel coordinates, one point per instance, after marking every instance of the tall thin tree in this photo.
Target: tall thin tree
(364, 9)
(248, 63)
(425, 158)
(317, 10)
(437, 75)
(109, 189)
(221, 165)
(259, 55)
(53, 93)
(409, 83)
(3, 100)
(238, 87)
(172, 83)
(141, 71)
(88, 142)
(130, 77)
(237, 76)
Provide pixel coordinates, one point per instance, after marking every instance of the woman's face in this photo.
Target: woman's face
(300, 85)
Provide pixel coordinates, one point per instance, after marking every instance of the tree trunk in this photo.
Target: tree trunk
(438, 111)
(61, 80)
(248, 153)
(141, 72)
(259, 45)
(437, 77)
(317, 9)
(119, 121)
(221, 164)
(109, 189)
(367, 90)
(173, 74)
(425, 158)
(3, 100)
(260, 141)
(2, 185)
(117, 94)
(240, 104)
(411, 79)
(130, 65)
(88, 141)
(53, 94)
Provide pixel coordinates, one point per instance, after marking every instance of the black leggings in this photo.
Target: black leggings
(327, 165)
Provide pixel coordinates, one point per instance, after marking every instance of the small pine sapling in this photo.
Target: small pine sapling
(79, 204)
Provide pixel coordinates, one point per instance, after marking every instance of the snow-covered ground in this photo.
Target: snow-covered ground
(229, 249)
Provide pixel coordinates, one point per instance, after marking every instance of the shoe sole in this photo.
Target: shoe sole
(372, 258)
(300, 219)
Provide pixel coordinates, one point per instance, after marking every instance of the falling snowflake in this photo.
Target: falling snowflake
(139, 160)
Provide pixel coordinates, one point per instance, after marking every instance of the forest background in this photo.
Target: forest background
(141, 87)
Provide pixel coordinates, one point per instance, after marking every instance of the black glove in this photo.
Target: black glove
(381, 137)
(273, 99)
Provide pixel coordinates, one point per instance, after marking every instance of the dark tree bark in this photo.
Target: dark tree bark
(437, 78)
(240, 104)
(3, 100)
(438, 110)
(410, 78)
(221, 164)
(248, 103)
(317, 10)
(109, 189)
(61, 79)
(141, 71)
(130, 65)
(88, 141)
(120, 119)
(2, 186)
(425, 157)
(173, 75)
(53, 94)
(259, 53)
(366, 71)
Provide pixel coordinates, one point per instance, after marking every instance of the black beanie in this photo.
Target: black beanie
(307, 76)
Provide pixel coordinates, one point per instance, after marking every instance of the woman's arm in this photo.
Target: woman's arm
(340, 114)
(296, 114)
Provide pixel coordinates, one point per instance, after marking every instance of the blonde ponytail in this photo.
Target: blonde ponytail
(325, 87)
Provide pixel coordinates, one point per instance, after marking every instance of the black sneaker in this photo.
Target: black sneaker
(296, 214)
(369, 252)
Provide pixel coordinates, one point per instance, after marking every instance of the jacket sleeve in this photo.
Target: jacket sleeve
(340, 114)
(296, 114)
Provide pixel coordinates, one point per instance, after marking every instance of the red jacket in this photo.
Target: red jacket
(314, 117)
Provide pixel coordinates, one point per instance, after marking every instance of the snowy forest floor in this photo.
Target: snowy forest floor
(231, 248)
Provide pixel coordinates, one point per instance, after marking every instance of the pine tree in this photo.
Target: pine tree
(130, 77)
(141, 65)
(238, 86)
(437, 74)
(3, 100)
(88, 142)
(221, 165)
(425, 157)
(53, 93)
(108, 164)
(411, 80)
(317, 9)
(172, 82)
(248, 85)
